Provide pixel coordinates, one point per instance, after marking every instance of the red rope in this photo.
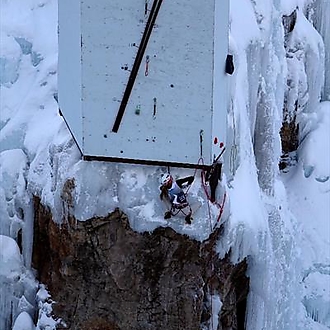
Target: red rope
(220, 206)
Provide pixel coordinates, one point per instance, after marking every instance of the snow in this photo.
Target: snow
(280, 222)
(317, 296)
(45, 319)
(23, 322)
(12, 191)
(317, 142)
(10, 257)
(289, 6)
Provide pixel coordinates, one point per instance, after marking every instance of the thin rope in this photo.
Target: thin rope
(221, 208)
(200, 160)
(203, 181)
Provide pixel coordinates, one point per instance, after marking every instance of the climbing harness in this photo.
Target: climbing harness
(175, 210)
(182, 205)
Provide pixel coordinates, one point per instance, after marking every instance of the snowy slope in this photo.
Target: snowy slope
(280, 221)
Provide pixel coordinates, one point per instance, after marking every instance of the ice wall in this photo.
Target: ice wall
(18, 286)
(319, 16)
(277, 67)
(27, 82)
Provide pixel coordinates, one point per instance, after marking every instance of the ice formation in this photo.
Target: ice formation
(280, 221)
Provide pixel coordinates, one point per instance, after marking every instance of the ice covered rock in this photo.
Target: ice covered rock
(10, 259)
(23, 322)
(102, 274)
(10, 57)
(17, 284)
(317, 297)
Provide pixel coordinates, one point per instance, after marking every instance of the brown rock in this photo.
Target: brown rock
(105, 276)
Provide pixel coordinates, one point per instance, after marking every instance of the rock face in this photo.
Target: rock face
(105, 276)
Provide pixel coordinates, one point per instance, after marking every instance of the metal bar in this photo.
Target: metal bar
(145, 162)
(131, 80)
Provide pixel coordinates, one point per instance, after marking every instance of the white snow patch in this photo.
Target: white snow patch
(23, 322)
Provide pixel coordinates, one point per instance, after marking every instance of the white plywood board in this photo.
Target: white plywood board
(173, 90)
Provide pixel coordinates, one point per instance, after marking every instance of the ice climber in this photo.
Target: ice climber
(172, 191)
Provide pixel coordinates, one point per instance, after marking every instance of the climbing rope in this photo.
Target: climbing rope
(204, 185)
(200, 160)
(221, 208)
(220, 205)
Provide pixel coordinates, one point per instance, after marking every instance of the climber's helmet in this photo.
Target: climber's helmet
(166, 179)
